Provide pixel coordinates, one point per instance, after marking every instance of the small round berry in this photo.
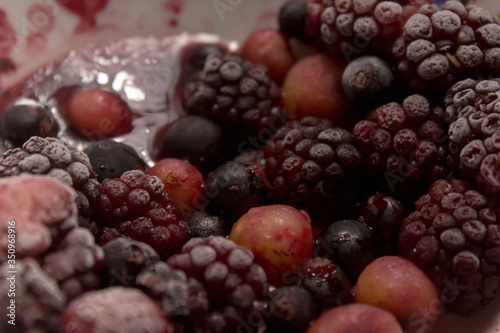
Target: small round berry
(22, 121)
(292, 18)
(98, 114)
(204, 225)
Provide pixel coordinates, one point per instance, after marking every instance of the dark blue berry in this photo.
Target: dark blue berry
(350, 244)
(111, 159)
(292, 18)
(22, 121)
(366, 79)
(195, 139)
(204, 225)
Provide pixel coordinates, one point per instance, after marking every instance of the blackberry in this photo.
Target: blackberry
(313, 166)
(231, 287)
(475, 131)
(26, 119)
(135, 206)
(404, 145)
(53, 157)
(110, 159)
(453, 236)
(235, 93)
(442, 46)
(39, 301)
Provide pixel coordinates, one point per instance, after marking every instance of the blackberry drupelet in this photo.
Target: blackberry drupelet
(405, 146)
(230, 287)
(313, 166)
(473, 110)
(453, 235)
(441, 46)
(135, 206)
(235, 93)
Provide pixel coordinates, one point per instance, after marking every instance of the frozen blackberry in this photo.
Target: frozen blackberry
(472, 109)
(135, 206)
(327, 283)
(313, 166)
(39, 302)
(453, 236)
(232, 288)
(404, 145)
(442, 46)
(24, 120)
(123, 259)
(235, 93)
(204, 225)
(235, 187)
(111, 159)
(53, 157)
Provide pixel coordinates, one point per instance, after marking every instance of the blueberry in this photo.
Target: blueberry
(22, 121)
(350, 244)
(292, 18)
(204, 225)
(367, 79)
(196, 140)
(111, 159)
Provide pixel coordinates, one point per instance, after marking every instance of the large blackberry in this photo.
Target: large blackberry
(453, 235)
(441, 46)
(236, 93)
(226, 288)
(405, 146)
(135, 206)
(313, 165)
(53, 157)
(473, 110)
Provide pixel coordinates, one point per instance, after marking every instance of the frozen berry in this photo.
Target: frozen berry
(115, 310)
(98, 114)
(292, 18)
(197, 57)
(399, 286)
(182, 182)
(350, 244)
(204, 225)
(367, 80)
(195, 139)
(24, 120)
(269, 47)
(111, 159)
(356, 317)
(280, 237)
(313, 87)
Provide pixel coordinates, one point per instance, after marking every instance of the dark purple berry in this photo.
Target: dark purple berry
(204, 225)
(292, 18)
(197, 57)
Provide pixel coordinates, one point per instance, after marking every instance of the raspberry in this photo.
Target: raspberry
(404, 145)
(313, 165)
(475, 132)
(53, 157)
(135, 206)
(441, 46)
(235, 93)
(453, 236)
(231, 286)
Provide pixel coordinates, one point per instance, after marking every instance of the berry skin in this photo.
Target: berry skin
(182, 182)
(228, 285)
(22, 121)
(111, 159)
(327, 283)
(292, 18)
(270, 48)
(115, 310)
(350, 244)
(313, 166)
(235, 187)
(279, 246)
(135, 206)
(204, 225)
(367, 79)
(313, 87)
(452, 235)
(356, 318)
(291, 309)
(198, 56)
(390, 282)
(98, 114)
(197, 140)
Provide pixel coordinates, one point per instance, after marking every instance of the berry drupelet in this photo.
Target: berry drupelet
(453, 236)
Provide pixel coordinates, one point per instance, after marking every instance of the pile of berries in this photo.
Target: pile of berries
(338, 173)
